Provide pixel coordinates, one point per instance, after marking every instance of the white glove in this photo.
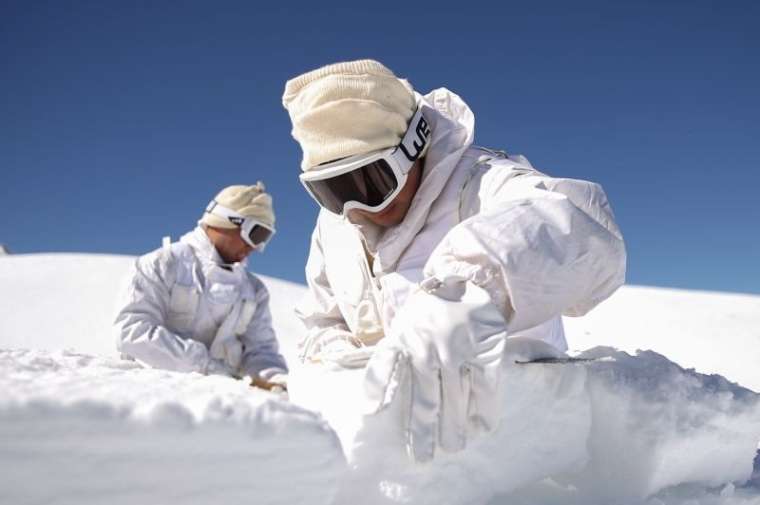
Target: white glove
(277, 383)
(447, 344)
(279, 379)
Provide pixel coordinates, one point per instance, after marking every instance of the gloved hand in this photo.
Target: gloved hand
(447, 345)
(278, 383)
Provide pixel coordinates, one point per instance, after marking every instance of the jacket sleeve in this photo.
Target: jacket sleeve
(261, 354)
(326, 329)
(540, 246)
(139, 326)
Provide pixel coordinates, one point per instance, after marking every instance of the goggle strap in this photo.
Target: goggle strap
(235, 218)
(220, 210)
(413, 146)
(417, 137)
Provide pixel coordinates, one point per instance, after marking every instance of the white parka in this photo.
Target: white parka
(176, 300)
(540, 246)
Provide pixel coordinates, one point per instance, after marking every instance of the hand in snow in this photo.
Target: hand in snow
(278, 383)
(447, 345)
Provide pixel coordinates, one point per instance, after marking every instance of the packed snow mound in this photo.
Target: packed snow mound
(80, 429)
(616, 429)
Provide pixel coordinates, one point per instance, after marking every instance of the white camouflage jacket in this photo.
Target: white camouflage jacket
(540, 246)
(177, 298)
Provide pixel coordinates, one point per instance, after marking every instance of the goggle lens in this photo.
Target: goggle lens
(370, 185)
(259, 235)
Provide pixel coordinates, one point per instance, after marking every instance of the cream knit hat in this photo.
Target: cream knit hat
(347, 108)
(248, 201)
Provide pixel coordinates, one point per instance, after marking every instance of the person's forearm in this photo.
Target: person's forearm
(157, 347)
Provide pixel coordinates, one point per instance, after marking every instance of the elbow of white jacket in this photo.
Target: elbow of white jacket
(607, 276)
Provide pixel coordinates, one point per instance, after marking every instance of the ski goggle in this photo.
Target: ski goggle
(371, 181)
(255, 233)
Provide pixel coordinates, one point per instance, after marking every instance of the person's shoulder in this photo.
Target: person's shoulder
(494, 158)
(498, 166)
(162, 260)
(153, 258)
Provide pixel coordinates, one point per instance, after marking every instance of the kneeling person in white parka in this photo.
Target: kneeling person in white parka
(192, 306)
(429, 251)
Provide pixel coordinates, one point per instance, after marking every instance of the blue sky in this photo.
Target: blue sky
(120, 120)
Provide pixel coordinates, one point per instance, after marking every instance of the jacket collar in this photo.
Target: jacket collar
(205, 251)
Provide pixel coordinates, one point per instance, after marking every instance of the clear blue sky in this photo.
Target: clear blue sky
(120, 120)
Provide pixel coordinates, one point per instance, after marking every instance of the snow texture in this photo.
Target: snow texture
(80, 429)
(81, 426)
(618, 429)
(714, 333)
(66, 301)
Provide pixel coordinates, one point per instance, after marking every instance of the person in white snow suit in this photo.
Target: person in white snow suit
(429, 251)
(191, 306)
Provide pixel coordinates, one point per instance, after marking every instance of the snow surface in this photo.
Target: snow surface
(62, 301)
(65, 301)
(81, 429)
(715, 333)
(619, 429)
(624, 429)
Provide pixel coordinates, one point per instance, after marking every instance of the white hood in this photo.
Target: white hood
(205, 250)
(453, 130)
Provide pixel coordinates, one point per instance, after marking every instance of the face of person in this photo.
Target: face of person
(229, 244)
(396, 211)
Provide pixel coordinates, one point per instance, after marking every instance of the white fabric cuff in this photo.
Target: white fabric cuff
(269, 374)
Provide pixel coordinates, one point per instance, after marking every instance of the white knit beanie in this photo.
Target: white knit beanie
(347, 108)
(248, 201)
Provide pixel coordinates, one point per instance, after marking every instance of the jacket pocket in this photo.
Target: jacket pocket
(223, 293)
(183, 304)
